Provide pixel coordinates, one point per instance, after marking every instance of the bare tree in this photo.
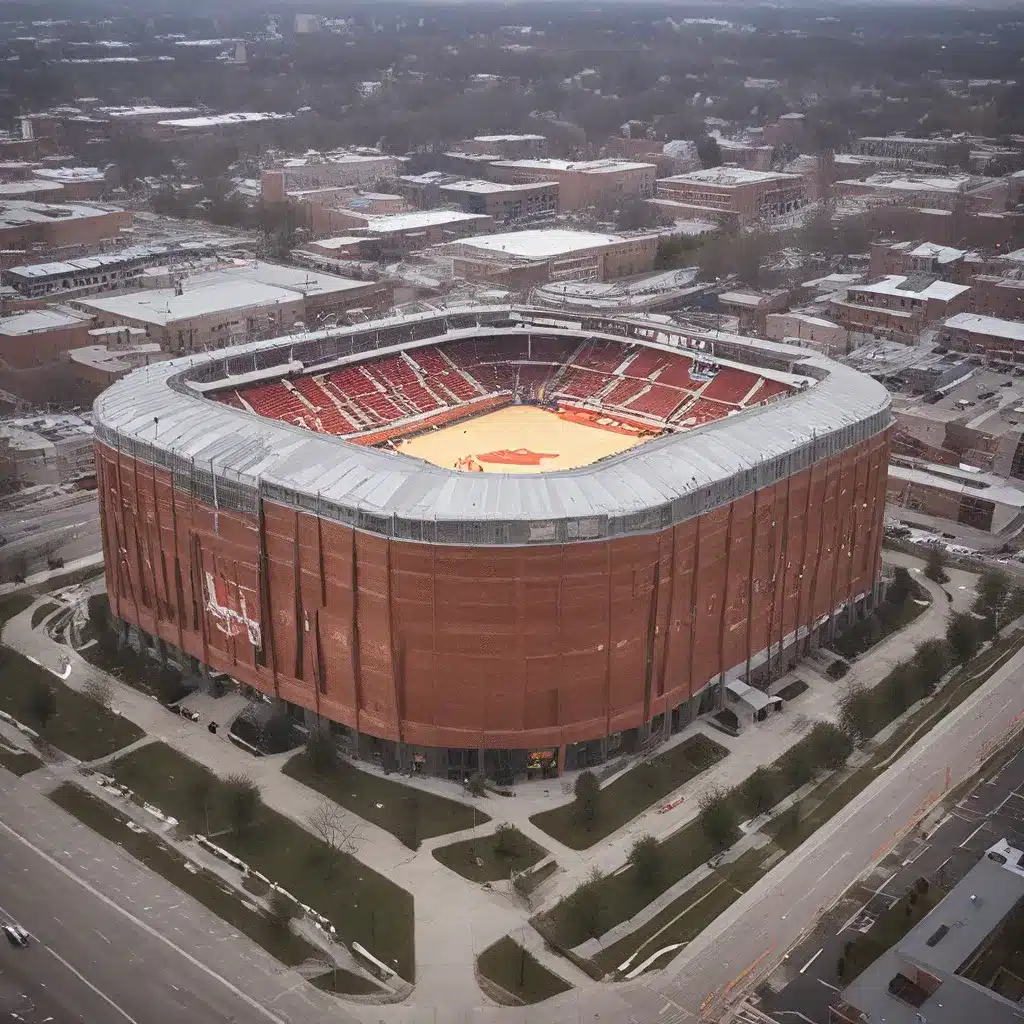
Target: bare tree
(327, 822)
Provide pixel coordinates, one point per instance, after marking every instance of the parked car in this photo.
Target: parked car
(16, 935)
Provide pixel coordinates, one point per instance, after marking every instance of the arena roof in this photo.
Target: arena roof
(158, 415)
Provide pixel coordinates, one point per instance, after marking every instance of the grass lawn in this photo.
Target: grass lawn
(632, 793)
(362, 905)
(15, 604)
(622, 895)
(510, 966)
(410, 814)
(890, 927)
(687, 915)
(462, 857)
(288, 947)
(40, 613)
(789, 830)
(138, 671)
(19, 762)
(80, 727)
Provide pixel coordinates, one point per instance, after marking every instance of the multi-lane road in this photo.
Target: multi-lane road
(64, 525)
(114, 944)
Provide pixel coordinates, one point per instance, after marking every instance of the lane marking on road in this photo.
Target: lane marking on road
(88, 984)
(803, 970)
(148, 929)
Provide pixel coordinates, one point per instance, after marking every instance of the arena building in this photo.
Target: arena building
(494, 538)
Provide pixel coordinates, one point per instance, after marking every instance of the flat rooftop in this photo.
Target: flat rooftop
(540, 244)
(896, 284)
(728, 177)
(209, 120)
(19, 213)
(35, 320)
(481, 187)
(417, 220)
(161, 306)
(70, 175)
(1010, 330)
(970, 913)
(294, 279)
(509, 138)
(579, 166)
(948, 183)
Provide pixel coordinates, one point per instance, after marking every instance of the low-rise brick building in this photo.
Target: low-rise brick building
(987, 335)
(897, 305)
(731, 193)
(41, 336)
(523, 258)
(501, 201)
(581, 183)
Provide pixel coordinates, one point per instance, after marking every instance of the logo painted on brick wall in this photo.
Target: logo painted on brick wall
(226, 603)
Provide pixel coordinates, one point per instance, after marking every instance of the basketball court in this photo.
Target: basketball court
(517, 439)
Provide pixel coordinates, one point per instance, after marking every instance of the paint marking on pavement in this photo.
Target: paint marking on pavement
(803, 970)
(827, 985)
(85, 981)
(973, 834)
(928, 835)
(148, 929)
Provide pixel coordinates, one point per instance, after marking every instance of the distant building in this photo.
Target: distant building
(59, 228)
(40, 336)
(949, 152)
(507, 147)
(306, 24)
(751, 308)
(114, 352)
(402, 233)
(503, 202)
(522, 258)
(78, 182)
(329, 170)
(106, 271)
(988, 335)
(235, 304)
(809, 331)
(46, 450)
(581, 183)
(731, 193)
(942, 191)
(898, 305)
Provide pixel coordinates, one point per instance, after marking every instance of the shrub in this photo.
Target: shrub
(648, 860)
(242, 796)
(322, 752)
(477, 784)
(837, 669)
(963, 636)
(935, 570)
(508, 840)
(717, 818)
(587, 791)
(759, 791)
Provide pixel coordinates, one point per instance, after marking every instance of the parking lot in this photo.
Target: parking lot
(949, 844)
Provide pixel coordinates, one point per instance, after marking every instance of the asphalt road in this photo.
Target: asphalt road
(992, 811)
(114, 944)
(752, 935)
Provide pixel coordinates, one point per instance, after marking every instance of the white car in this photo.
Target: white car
(16, 935)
